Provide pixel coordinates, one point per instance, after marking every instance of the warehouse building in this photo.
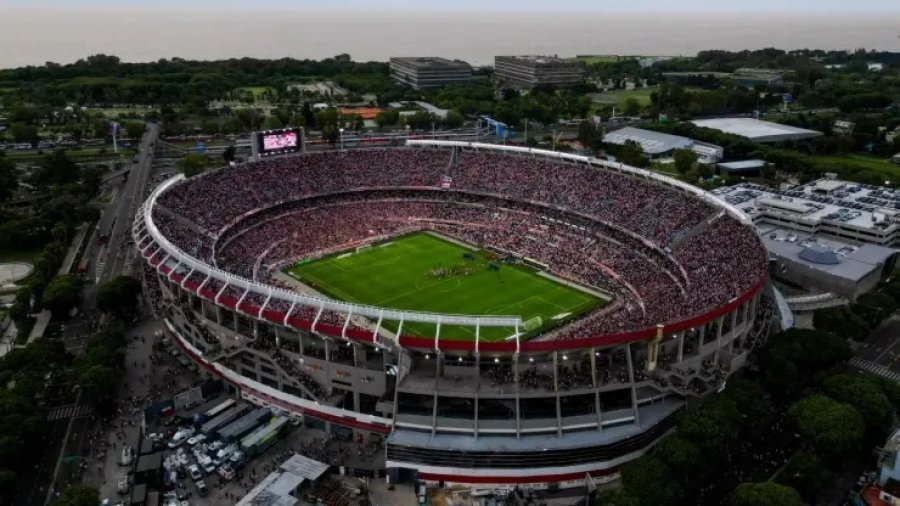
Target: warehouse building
(757, 130)
(661, 145)
(526, 72)
(419, 72)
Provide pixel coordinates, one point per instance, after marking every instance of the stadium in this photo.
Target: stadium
(496, 316)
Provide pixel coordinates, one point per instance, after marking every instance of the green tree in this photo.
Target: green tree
(119, 296)
(682, 456)
(631, 153)
(62, 293)
(865, 395)
(617, 497)
(193, 164)
(631, 107)
(25, 133)
(57, 169)
(650, 481)
(229, 154)
(79, 495)
(9, 178)
(684, 160)
(713, 426)
(766, 493)
(807, 474)
(832, 428)
(134, 129)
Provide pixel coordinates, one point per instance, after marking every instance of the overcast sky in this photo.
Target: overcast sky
(818, 6)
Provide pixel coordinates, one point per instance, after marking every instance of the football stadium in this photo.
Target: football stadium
(493, 316)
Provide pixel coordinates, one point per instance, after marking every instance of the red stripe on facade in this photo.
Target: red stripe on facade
(487, 479)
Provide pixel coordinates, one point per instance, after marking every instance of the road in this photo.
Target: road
(116, 222)
(107, 262)
(880, 354)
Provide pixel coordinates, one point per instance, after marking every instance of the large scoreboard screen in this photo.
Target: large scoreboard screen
(273, 142)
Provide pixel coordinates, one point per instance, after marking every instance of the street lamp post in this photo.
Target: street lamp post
(341, 130)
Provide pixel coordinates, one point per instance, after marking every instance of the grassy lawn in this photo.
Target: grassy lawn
(616, 97)
(256, 91)
(398, 274)
(839, 163)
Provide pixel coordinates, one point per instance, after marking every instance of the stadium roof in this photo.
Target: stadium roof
(653, 143)
(756, 130)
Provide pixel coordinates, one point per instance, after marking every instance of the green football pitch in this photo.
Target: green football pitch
(422, 272)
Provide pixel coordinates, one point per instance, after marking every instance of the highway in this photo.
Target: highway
(106, 262)
(116, 221)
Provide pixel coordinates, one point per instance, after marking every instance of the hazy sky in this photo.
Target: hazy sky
(818, 6)
(37, 31)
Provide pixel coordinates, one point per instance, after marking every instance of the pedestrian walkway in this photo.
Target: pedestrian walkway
(874, 368)
(68, 411)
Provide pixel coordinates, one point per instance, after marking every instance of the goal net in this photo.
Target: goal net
(532, 323)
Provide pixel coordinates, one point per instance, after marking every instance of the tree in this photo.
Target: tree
(62, 293)
(229, 154)
(134, 129)
(119, 295)
(831, 427)
(631, 153)
(684, 160)
(682, 456)
(807, 474)
(713, 426)
(193, 164)
(766, 493)
(631, 107)
(25, 133)
(650, 481)
(79, 495)
(9, 178)
(57, 169)
(865, 395)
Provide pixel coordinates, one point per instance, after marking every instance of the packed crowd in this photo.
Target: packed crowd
(600, 229)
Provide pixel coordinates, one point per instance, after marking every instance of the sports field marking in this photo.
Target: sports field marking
(422, 272)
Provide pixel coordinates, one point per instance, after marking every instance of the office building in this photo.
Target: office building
(526, 72)
(429, 71)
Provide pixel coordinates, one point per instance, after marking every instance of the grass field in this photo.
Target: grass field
(617, 97)
(398, 274)
(879, 165)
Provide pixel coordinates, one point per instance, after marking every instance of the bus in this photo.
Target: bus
(218, 409)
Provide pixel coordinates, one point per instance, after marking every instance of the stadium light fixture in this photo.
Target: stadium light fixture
(496, 360)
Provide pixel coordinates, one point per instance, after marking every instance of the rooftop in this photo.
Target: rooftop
(757, 130)
(542, 59)
(653, 143)
(429, 61)
(826, 255)
(278, 487)
(863, 206)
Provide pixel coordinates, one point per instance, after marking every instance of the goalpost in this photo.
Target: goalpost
(363, 247)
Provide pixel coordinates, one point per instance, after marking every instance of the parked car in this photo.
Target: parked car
(201, 488)
(195, 472)
(226, 472)
(199, 438)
